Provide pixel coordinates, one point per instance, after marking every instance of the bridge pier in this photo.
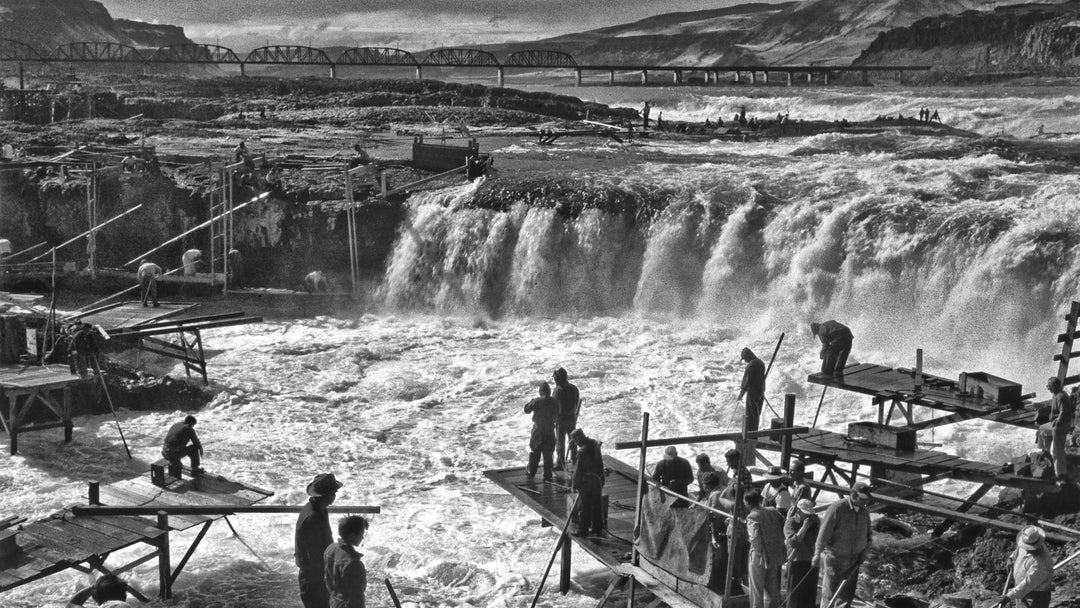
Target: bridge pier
(577, 77)
(501, 76)
(900, 76)
(611, 78)
(644, 77)
(419, 73)
(866, 77)
(809, 77)
(765, 77)
(827, 77)
(242, 71)
(738, 77)
(676, 77)
(753, 77)
(333, 71)
(790, 78)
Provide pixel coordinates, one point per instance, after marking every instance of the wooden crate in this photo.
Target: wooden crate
(883, 435)
(982, 384)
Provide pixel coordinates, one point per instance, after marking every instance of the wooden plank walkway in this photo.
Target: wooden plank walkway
(828, 447)
(131, 314)
(30, 388)
(64, 540)
(35, 377)
(550, 501)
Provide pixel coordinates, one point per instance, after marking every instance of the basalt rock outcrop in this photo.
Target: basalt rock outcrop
(1041, 37)
(46, 24)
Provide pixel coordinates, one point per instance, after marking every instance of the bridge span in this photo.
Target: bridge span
(111, 53)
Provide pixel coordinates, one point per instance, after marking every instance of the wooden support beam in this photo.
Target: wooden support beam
(565, 564)
(164, 569)
(618, 581)
(964, 507)
(190, 551)
(212, 509)
(736, 436)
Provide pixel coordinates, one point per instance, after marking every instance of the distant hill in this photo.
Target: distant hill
(46, 24)
(824, 32)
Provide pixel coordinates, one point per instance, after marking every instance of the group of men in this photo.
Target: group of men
(331, 575)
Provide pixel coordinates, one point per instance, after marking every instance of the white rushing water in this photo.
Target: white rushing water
(971, 257)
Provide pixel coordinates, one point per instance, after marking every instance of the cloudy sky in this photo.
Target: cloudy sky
(408, 24)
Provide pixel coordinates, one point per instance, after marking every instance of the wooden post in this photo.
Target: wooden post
(164, 568)
(918, 370)
(789, 421)
(93, 494)
(638, 514)
(564, 566)
(69, 427)
(13, 415)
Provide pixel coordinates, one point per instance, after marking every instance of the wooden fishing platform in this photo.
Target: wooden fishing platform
(145, 325)
(24, 388)
(897, 387)
(66, 540)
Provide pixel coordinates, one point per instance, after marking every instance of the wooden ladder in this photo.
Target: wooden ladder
(1067, 353)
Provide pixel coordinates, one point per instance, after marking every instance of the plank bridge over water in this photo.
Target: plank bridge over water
(209, 54)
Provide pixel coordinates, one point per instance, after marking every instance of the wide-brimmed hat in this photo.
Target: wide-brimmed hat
(323, 484)
(1031, 538)
(805, 505)
(775, 473)
(670, 452)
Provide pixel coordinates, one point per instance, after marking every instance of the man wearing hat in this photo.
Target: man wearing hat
(675, 474)
(800, 534)
(836, 341)
(776, 494)
(569, 399)
(313, 536)
(588, 480)
(1033, 570)
(753, 387)
(841, 546)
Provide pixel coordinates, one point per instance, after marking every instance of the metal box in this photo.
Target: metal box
(982, 384)
(883, 435)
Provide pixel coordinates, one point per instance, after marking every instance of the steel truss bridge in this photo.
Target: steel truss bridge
(209, 54)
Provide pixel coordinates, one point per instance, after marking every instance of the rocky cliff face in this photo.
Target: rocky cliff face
(1008, 38)
(46, 24)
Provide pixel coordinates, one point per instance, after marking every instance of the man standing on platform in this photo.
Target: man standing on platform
(1053, 435)
(836, 341)
(765, 531)
(181, 441)
(148, 274)
(753, 387)
(569, 405)
(313, 536)
(842, 542)
(544, 410)
(588, 480)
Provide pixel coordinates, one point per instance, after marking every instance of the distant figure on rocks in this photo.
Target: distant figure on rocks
(1033, 570)
(315, 282)
(361, 157)
(129, 163)
(836, 341)
(588, 481)
(182, 442)
(936, 117)
(569, 399)
(346, 576)
(240, 152)
(312, 537)
(1053, 435)
(645, 115)
(753, 388)
(545, 413)
(148, 274)
(675, 474)
(660, 121)
(190, 260)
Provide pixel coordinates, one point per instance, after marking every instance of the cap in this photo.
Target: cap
(670, 452)
(323, 484)
(860, 488)
(1031, 538)
(805, 505)
(775, 473)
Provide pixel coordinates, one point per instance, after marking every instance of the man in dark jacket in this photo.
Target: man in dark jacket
(765, 531)
(312, 537)
(569, 399)
(545, 411)
(843, 539)
(753, 387)
(589, 482)
(835, 345)
(182, 441)
(675, 474)
(346, 576)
